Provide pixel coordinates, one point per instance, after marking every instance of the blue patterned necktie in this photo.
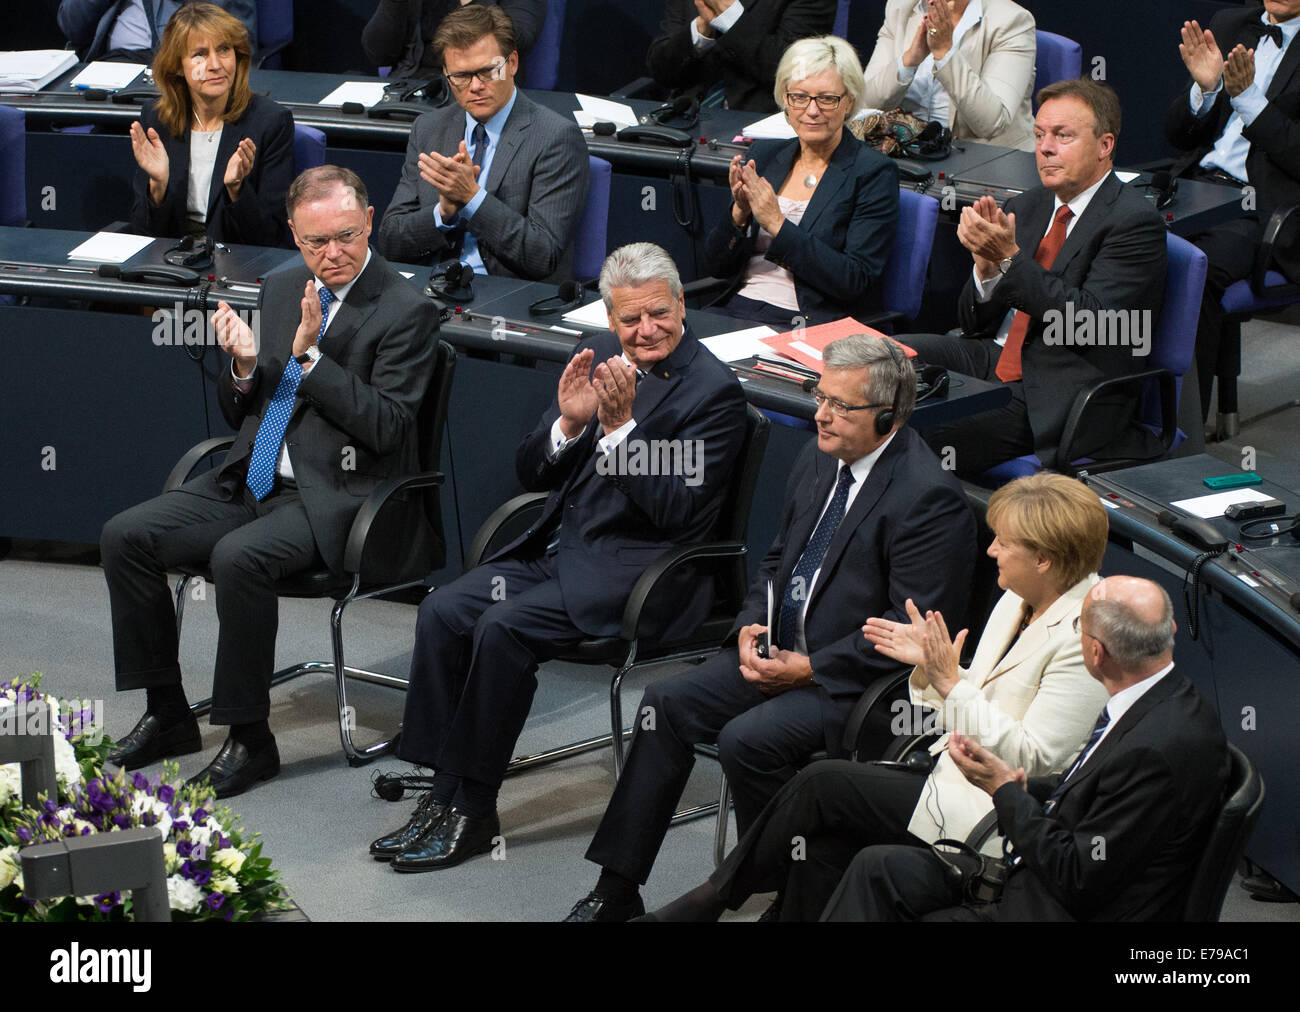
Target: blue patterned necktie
(270, 434)
(796, 589)
(480, 140)
(1098, 729)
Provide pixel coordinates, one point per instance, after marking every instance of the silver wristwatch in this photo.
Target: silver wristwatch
(1005, 265)
(312, 354)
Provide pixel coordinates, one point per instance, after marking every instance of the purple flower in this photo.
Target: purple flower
(184, 848)
(195, 873)
(140, 781)
(86, 830)
(24, 834)
(166, 794)
(98, 798)
(180, 826)
(105, 902)
(122, 821)
(214, 901)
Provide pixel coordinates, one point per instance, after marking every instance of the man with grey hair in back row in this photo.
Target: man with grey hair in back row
(637, 452)
(870, 520)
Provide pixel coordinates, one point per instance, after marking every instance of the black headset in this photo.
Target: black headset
(885, 419)
(453, 282)
(569, 296)
(684, 107)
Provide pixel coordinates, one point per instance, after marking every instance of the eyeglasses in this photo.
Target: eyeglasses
(838, 407)
(317, 243)
(799, 100)
(1078, 628)
(495, 72)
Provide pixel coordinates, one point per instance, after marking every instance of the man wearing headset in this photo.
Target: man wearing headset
(870, 520)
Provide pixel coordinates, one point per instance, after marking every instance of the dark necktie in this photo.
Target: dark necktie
(270, 433)
(1098, 729)
(1008, 368)
(479, 138)
(1273, 32)
(796, 589)
(152, 11)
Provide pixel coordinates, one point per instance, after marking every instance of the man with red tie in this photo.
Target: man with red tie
(1066, 290)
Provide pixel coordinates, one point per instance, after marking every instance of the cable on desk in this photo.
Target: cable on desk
(1273, 526)
(1192, 600)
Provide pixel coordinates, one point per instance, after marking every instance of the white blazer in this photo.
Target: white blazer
(989, 75)
(1033, 708)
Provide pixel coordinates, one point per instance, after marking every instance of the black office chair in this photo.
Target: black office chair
(1243, 797)
(628, 650)
(367, 533)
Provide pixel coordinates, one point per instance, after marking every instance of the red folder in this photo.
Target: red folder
(806, 344)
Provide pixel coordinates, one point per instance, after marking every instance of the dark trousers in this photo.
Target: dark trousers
(762, 741)
(478, 641)
(893, 883)
(807, 835)
(984, 440)
(1230, 249)
(249, 545)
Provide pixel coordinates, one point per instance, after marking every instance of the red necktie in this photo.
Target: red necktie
(1008, 368)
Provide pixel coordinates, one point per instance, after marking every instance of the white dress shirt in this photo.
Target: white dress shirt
(721, 24)
(926, 98)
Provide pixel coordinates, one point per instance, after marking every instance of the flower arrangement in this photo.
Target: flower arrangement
(215, 871)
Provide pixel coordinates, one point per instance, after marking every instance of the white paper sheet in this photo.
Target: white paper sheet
(33, 69)
(605, 109)
(774, 127)
(591, 315)
(365, 92)
(109, 76)
(1126, 177)
(739, 343)
(1209, 506)
(110, 247)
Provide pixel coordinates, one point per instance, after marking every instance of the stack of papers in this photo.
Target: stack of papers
(108, 76)
(739, 344)
(806, 345)
(774, 127)
(595, 110)
(110, 247)
(592, 315)
(33, 69)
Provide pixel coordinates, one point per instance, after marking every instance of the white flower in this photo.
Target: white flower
(229, 858)
(225, 884)
(201, 835)
(182, 894)
(10, 782)
(8, 865)
(65, 762)
(81, 826)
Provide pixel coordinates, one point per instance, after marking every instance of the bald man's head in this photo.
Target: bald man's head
(1133, 620)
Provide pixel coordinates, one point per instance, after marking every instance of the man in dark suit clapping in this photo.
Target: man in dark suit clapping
(325, 399)
(647, 391)
(1066, 291)
(497, 182)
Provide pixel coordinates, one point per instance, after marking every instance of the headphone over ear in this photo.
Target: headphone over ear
(885, 419)
(453, 283)
(569, 296)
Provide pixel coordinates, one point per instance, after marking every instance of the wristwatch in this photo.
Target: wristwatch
(312, 354)
(1005, 265)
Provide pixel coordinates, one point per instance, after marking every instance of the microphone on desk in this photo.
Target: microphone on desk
(604, 128)
(1166, 187)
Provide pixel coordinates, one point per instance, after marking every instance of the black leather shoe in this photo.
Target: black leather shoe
(595, 908)
(423, 821)
(151, 740)
(457, 837)
(235, 769)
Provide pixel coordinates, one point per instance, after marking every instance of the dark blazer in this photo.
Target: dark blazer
(908, 533)
(398, 33)
(614, 525)
(1147, 795)
(838, 250)
(358, 403)
(745, 57)
(537, 188)
(89, 23)
(1114, 259)
(258, 217)
(1273, 164)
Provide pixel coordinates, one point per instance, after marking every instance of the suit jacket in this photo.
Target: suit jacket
(989, 76)
(89, 23)
(908, 533)
(1147, 795)
(398, 34)
(838, 251)
(535, 193)
(1113, 259)
(258, 217)
(1033, 707)
(745, 57)
(615, 518)
(1273, 164)
(358, 404)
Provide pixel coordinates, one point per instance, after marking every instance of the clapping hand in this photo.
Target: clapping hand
(763, 204)
(239, 166)
(941, 656)
(980, 766)
(309, 323)
(740, 211)
(899, 641)
(576, 395)
(615, 386)
(151, 156)
(989, 233)
(1239, 71)
(236, 338)
(455, 179)
(1201, 55)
